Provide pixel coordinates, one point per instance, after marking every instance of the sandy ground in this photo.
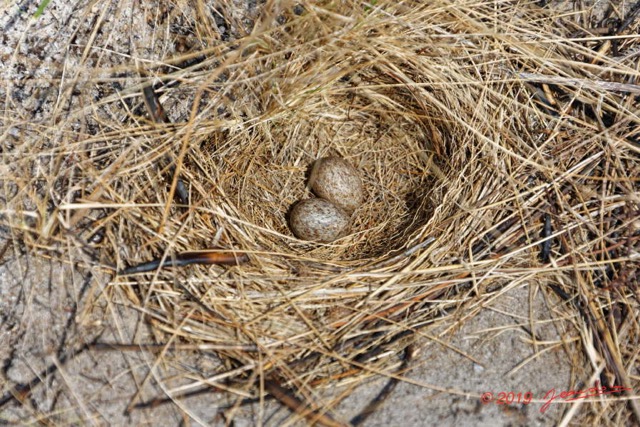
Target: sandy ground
(40, 331)
(49, 313)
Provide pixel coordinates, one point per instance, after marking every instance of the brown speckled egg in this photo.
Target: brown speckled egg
(335, 180)
(318, 220)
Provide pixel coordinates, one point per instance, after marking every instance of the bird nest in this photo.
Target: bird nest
(495, 146)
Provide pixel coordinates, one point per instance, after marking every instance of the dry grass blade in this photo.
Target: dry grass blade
(498, 143)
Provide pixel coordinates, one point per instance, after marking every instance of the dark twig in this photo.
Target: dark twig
(545, 246)
(631, 16)
(287, 398)
(21, 391)
(187, 258)
(386, 390)
(158, 115)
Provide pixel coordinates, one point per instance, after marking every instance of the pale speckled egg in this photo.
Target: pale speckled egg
(318, 220)
(335, 180)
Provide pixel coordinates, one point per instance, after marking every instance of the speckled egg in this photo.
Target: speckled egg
(318, 220)
(335, 180)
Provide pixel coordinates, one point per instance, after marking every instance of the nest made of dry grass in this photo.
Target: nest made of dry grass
(472, 125)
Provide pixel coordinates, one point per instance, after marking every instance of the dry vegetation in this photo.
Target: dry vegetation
(498, 143)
